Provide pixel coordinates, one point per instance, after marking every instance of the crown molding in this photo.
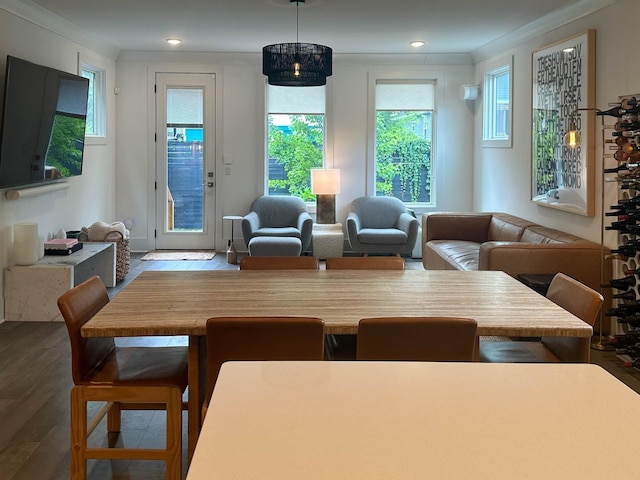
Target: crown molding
(57, 25)
(541, 26)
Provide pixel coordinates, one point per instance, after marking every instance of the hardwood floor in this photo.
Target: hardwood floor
(35, 381)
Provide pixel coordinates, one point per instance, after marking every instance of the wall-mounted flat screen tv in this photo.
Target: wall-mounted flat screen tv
(43, 124)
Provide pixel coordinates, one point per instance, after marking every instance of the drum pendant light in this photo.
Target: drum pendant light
(296, 64)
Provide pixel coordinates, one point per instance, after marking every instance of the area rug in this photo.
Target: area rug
(180, 255)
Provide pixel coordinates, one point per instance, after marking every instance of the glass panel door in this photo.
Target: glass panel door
(184, 161)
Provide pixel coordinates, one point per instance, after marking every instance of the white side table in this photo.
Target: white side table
(327, 240)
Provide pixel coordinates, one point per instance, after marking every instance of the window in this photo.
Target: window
(295, 139)
(404, 139)
(96, 104)
(497, 107)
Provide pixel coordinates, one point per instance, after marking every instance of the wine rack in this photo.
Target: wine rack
(621, 162)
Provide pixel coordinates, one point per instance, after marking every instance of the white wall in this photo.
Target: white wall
(503, 175)
(240, 131)
(91, 196)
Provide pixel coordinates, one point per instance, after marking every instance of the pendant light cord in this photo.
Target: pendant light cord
(297, 13)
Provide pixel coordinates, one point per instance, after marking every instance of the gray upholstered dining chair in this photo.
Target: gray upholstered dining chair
(281, 224)
(381, 225)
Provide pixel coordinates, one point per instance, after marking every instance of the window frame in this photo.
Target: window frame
(490, 138)
(407, 77)
(327, 152)
(99, 70)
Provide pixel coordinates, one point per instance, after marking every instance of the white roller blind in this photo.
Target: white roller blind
(295, 100)
(417, 95)
(185, 106)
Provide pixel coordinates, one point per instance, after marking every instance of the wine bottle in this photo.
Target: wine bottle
(633, 321)
(622, 167)
(616, 256)
(628, 295)
(630, 201)
(623, 283)
(628, 147)
(629, 102)
(623, 311)
(623, 156)
(632, 271)
(619, 111)
(626, 207)
(628, 229)
(620, 225)
(626, 125)
(626, 133)
(627, 251)
(623, 340)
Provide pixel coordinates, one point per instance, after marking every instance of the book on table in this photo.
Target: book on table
(62, 246)
(60, 243)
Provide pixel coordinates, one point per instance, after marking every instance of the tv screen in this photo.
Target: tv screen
(43, 124)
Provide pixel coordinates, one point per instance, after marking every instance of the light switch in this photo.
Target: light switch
(227, 159)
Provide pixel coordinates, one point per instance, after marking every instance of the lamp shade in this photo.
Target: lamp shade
(325, 181)
(297, 64)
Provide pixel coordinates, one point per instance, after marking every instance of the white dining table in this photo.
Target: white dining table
(412, 420)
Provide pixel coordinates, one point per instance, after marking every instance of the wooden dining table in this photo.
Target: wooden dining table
(180, 302)
(416, 420)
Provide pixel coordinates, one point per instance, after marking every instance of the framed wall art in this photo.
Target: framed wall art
(563, 89)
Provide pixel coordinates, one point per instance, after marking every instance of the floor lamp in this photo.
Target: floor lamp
(325, 184)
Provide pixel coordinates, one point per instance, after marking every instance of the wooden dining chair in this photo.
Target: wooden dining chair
(570, 294)
(279, 263)
(432, 339)
(260, 338)
(365, 263)
(140, 378)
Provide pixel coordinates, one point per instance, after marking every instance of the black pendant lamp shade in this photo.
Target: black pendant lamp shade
(297, 64)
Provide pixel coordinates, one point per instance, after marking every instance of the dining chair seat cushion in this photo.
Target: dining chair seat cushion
(140, 366)
(516, 352)
(387, 236)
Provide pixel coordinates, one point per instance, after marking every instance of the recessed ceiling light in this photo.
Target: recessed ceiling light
(568, 49)
(416, 43)
(174, 41)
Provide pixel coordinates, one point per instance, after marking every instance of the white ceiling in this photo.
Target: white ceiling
(348, 26)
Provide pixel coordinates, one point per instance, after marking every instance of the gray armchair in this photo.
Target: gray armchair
(278, 216)
(381, 225)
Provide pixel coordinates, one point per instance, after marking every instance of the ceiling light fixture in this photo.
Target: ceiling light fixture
(174, 41)
(417, 43)
(297, 64)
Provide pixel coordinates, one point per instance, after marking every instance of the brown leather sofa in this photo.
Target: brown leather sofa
(499, 241)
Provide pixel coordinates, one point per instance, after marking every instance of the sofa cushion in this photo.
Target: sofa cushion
(544, 235)
(459, 254)
(386, 236)
(506, 228)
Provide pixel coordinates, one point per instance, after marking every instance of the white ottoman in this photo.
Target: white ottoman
(328, 240)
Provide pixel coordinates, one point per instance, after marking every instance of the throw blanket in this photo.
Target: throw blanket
(105, 232)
